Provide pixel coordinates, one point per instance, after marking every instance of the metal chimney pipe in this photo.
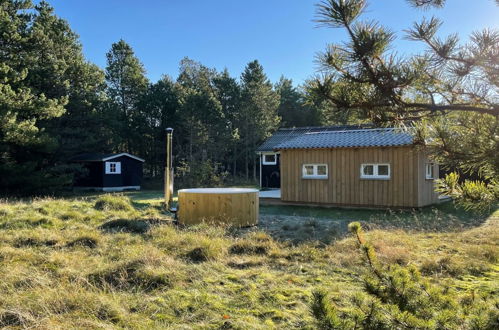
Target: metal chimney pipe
(169, 169)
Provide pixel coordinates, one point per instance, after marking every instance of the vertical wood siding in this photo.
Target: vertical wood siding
(407, 186)
(426, 187)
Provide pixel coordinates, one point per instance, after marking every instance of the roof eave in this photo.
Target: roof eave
(123, 154)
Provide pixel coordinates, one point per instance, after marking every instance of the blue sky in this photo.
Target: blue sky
(281, 34)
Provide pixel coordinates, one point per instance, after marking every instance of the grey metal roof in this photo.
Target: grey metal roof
(379, 137)
(287, 134)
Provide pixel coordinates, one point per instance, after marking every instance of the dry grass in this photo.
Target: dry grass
(106, 262)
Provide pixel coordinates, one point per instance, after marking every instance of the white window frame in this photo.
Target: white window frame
(117, 167)
(429, 171)
(375, 174)
(315, 170)
(265, 162)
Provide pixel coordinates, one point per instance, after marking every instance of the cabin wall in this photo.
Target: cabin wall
(344, 185)
(426, 187)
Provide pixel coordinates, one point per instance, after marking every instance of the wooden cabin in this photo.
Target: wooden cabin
(108, 172)
(363, 167)
(270, 171)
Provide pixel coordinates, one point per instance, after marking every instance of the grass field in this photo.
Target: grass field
(104, 261)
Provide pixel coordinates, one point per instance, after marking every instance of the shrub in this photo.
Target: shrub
(398, 297)
(110, 202)
(200, 173)
(472, 195)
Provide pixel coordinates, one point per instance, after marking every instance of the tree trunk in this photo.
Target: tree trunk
(190, 144)
(254, 160)
(234, 165)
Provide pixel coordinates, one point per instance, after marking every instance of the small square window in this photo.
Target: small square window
(309, 169)
(321, 170)
(269, 159)
(383, 170)
(113, 167)
(368, 170)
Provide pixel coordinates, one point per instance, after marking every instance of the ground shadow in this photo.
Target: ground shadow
(135, 226)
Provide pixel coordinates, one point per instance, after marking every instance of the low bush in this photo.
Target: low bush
(397, 297)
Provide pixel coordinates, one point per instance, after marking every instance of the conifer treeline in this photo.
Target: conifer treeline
(55, 104)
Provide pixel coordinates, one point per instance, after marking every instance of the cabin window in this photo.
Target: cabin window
(375, 171)
(314, 171)
(113, 167)
(430, 171)
(269, 159)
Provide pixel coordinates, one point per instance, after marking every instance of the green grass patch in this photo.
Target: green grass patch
(117, 261)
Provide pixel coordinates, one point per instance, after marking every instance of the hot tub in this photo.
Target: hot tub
(233, 206)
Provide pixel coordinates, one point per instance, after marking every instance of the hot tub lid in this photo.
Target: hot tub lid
(219, 190)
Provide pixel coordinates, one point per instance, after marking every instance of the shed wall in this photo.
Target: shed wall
(344, 185)
(131, 173)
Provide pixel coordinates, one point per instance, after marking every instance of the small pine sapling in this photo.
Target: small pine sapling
(398, 297)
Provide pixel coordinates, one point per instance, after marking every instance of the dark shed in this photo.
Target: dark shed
(109, 172)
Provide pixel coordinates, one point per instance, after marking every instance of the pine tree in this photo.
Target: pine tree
(228, 92)
(293, 109)
(203, 123)
(449, 86)
(398, 297)
(158, 110)
(126, 85)
(47, 87)
(258, 112)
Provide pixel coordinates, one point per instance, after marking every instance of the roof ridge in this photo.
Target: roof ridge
(317, 127)
(377, 137)
(359, 130)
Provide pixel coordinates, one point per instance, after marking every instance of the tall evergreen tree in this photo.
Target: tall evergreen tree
(228, 93)
(44, 76)
(293, 108)
(258, 111)
(200, 112)
(158, 110)
(126, 85)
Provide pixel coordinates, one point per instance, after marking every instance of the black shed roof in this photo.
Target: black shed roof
(286, 134)
(97, 157)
